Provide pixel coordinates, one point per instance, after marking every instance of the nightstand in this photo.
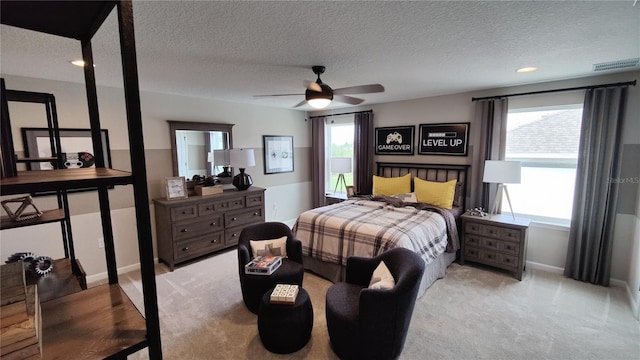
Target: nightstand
(330, 199)
(495, 240)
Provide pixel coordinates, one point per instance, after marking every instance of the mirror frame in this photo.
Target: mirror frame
(195, 126)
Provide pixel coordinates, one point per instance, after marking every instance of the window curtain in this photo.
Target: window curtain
(595, 197)
(363, 148)
(318, 159)
(491, 115)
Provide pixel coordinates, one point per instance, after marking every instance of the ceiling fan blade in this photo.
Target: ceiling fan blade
(312, 85)
(263, 96)
(347, 99)
(361, 89)
(300, 103)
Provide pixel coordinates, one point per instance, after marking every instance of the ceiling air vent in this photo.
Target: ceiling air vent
(619, 64)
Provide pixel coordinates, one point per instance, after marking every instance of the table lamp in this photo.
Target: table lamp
(340, 166)
(221, 158)
(241, 159)
(501, 172)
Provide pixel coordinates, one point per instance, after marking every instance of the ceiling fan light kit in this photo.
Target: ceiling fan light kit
(319, 95)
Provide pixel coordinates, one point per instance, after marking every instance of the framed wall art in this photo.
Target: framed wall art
(76, 144)
(397, 140)
(443, 139)
(278, 154)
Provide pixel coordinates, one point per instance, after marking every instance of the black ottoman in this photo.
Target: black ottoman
(284, 328)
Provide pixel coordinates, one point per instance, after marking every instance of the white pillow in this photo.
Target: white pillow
(273, 247)
(382, 278)
(406, 197)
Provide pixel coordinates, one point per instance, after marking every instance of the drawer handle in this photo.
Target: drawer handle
(185, 248)
(489, 243)
(254, 200)
(255, 214)
(208, 208)
(234, 235)
(234, 218)
(212, 224)
(214, 241)
(184, 230)
(184, 213)
(507, 260)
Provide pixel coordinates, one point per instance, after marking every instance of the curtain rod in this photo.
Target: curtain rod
(632, 83)
(347, 113)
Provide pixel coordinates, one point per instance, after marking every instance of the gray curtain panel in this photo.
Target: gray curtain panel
(317, 160)
(491, 116)
(596, 191)
(363, 148)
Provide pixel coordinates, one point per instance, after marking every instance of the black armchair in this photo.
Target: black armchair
(290, 272)
(368, 323)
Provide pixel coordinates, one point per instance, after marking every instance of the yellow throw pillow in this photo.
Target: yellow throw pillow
(435, 193)
(391, 186)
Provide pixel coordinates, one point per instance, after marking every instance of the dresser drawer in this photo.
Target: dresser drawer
(471, 253)
(472, 240)
(231, 236)
(489, 256)
(209, 208)
(241, 217)
(186, 229)
(255, 200)
(236, 203)
(198, 246)
(184, 212)
(491, 244)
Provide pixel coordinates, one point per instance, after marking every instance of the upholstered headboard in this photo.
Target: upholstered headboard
(430, 172)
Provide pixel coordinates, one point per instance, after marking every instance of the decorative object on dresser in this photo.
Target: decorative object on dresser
(196, 226)
(221, 158)
(176, 187)
(340, 166)
(242, 159)
(278, 154)
(495, 240)
(501, 172)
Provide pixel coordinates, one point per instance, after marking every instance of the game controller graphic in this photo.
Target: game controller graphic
(394, 136)
(77, 160)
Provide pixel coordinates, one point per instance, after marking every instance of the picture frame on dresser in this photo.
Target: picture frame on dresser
(176, 188)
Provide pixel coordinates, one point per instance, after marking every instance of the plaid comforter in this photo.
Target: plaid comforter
(363, 227)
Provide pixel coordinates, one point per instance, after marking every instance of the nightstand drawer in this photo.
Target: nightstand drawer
(510, 234)
(473, 240)
(489, 256)
(492, 231)
(509, 247)
(509, 261)
(471, 253)
(491, 244)
(473, 228)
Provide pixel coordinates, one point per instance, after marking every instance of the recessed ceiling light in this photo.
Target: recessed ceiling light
(527, 69)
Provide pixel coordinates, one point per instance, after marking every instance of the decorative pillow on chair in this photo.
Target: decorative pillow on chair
(273, 247)
(390, 186)
(435, 193)
(382, 278)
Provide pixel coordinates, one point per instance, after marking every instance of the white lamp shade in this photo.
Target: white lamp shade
(502, 172)
(341, 165)
(220, 157)
(319, 103)
(241, 158)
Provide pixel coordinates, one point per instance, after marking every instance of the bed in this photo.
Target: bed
(368, 225)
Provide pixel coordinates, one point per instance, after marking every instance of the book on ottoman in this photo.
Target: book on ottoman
(284, 294)
(263, 265)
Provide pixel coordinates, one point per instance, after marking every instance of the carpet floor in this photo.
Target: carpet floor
(473, 313)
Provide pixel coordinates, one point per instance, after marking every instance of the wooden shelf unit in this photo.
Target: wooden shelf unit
(100, 322)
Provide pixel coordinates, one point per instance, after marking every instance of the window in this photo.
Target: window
(546, 141)
(339, 131)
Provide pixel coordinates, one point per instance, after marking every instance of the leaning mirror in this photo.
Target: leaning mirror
(199, 148)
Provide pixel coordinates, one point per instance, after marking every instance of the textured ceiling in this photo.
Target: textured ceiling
(232, 50)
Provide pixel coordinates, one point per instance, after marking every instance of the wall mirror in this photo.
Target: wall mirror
(196, 147)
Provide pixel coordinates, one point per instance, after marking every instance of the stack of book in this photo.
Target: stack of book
(284, 294)
(263, 265)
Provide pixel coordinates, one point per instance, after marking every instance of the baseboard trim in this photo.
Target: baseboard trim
(103, 277)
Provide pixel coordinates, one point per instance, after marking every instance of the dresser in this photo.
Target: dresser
(497, 240)
(200, 225)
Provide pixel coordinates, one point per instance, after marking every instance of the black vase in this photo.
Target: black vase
(225, 173)
(242, 181)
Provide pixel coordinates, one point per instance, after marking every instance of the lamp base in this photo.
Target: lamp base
(242, 181)
(225, 173)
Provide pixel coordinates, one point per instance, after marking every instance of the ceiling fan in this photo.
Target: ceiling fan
(319, 95)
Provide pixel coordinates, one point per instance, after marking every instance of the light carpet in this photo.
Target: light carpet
(473, 313)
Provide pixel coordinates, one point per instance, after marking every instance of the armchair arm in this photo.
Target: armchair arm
(294, 250)
(360, 269)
